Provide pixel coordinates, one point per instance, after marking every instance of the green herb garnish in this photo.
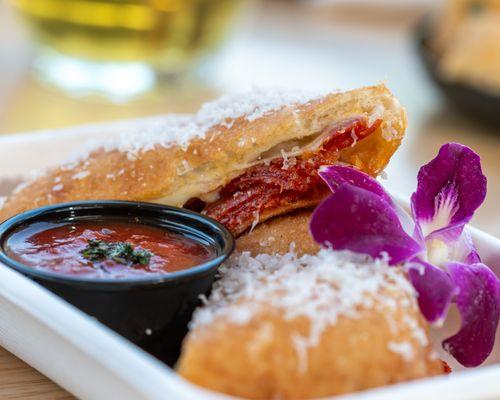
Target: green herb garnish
(121, 252)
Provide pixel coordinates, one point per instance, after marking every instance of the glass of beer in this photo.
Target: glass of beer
(122, 47)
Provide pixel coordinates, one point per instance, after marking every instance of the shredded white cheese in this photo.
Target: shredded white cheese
(267, 242)
(81, 175)
(184, 168)
(321, 287)
(256, 219)
(404, 349)
(180, 130)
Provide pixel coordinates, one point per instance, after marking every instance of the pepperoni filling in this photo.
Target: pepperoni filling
(283, 185)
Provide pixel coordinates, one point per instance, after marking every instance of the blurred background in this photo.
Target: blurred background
(67, 62)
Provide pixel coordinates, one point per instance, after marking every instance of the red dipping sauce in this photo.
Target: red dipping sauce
(59, 248)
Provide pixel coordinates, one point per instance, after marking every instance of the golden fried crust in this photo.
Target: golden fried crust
(259, 360)
(276, 235)
(172, 175)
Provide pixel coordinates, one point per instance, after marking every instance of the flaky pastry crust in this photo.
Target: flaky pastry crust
(278, 234)
(176, 173)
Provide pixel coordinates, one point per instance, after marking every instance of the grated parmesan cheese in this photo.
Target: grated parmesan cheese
(184, 168)
(267, 242)
(181, 129)
(32, 176)
(404, 349)
(354, 138)
(320, 287)
(172, 130)
(256, 219)
(81, 175)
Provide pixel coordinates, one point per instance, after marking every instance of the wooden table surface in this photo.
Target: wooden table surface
(19, 381)
(290, 46)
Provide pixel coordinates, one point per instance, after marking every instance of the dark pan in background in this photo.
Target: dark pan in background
(468, 99)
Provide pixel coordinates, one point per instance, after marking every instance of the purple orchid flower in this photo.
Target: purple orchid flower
(432, 244)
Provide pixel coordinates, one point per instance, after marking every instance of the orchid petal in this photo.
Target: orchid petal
(442, 249)
(434, 287)
(463, 250)
(450, 188)
(409, 225)
(478, 302)
(359, 220)
(335, 175)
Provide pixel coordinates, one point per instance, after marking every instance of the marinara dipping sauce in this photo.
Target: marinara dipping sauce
(107, 248)
(138, 268)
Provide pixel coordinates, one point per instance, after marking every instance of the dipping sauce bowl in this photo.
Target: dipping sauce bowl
(138, 268)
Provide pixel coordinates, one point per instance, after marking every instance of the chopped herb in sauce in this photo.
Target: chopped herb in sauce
(121, 252)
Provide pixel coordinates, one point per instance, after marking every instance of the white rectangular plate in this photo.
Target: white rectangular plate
(92, 362)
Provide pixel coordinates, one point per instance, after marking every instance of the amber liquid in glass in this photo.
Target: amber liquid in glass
(165, 34)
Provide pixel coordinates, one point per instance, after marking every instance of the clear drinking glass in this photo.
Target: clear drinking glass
(120, 48)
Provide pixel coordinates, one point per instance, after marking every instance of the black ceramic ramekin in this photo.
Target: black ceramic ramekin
(151, 312)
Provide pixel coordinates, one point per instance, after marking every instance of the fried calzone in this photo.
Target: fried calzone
(242, 159)
(288, 327)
